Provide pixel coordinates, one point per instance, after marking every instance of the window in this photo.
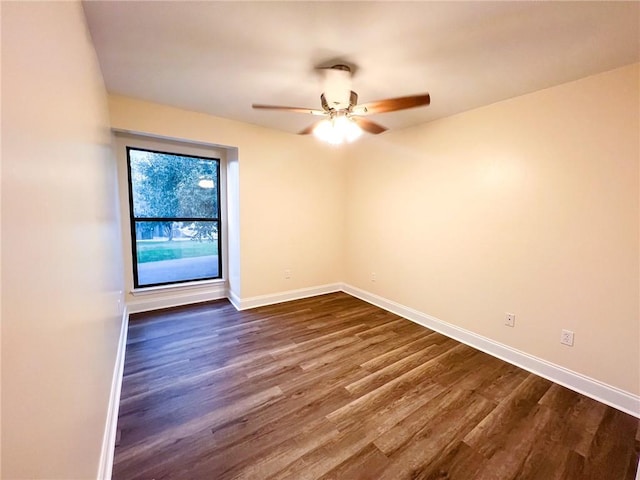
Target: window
(174, 204)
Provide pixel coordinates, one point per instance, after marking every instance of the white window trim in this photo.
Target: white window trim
(123, 140)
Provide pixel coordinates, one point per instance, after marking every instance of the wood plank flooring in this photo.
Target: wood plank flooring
(334, 388)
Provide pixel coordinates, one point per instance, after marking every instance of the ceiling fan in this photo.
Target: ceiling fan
(344, 117)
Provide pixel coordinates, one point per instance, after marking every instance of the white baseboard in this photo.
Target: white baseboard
(176, 298)
(234, 299)
(111, 427)
(590, 387)
(262, 300)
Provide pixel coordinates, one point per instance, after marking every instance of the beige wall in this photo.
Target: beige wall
(61, 260)
(291, 194)
(527, 206)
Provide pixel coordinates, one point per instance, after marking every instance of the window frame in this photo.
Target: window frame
(133, 219)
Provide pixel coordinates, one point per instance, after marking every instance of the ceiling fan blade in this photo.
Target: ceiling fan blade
(368, 125)
(392, 104)
(308, 130)
(311, 111)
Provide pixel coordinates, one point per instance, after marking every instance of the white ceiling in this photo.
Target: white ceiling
(220, 57)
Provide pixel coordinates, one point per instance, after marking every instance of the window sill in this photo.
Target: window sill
(177, 287)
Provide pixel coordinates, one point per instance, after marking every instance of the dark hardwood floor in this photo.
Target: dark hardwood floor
(334, 388)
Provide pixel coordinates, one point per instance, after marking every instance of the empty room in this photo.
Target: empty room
(320, 240)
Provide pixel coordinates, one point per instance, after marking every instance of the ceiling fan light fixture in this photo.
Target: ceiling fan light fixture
(337, 130)
(351, 131)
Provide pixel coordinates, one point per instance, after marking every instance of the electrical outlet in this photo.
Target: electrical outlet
(287, 274)
(373, 276)
(510, 319)
(566, 338)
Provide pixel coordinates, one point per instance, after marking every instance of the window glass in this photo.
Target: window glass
(175, 217)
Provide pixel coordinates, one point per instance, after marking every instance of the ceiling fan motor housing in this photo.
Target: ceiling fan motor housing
(337, 86)
(353, 101)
